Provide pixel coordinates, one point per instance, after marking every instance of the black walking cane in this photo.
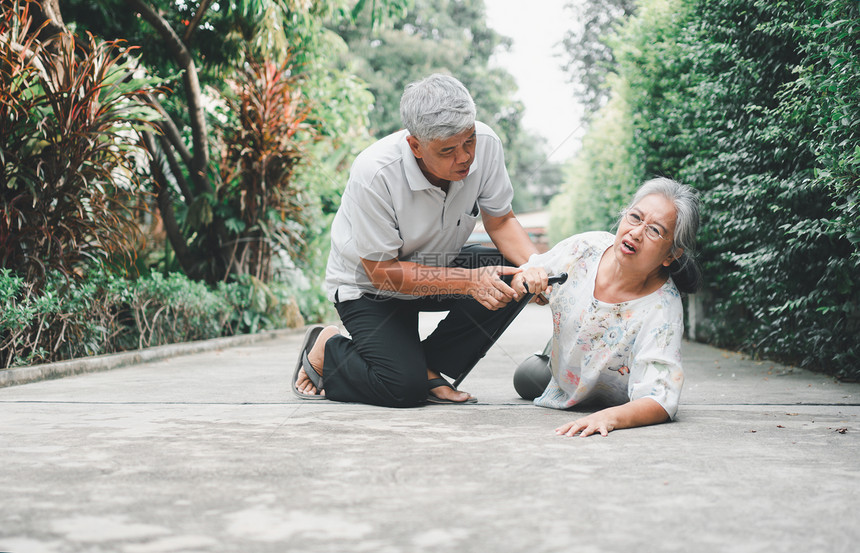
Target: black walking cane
(558, 279)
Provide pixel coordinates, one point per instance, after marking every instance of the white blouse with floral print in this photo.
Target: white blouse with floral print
(610, 353)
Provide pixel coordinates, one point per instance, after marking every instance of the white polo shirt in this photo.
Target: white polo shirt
(390, 210)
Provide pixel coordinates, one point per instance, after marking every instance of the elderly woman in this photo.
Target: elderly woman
(618, 321)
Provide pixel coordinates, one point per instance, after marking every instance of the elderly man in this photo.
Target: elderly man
(397, 249)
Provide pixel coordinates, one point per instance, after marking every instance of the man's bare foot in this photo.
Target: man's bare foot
(316, 356)
(446, 392)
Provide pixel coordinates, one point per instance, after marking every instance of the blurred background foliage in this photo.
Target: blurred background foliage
(171, 167)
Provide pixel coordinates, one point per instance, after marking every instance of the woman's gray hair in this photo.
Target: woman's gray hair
(436, 107)
(684, 270)
(686, 202)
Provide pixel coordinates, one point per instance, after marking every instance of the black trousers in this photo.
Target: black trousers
(385, 362)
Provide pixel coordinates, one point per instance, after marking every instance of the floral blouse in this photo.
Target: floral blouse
(611, 353)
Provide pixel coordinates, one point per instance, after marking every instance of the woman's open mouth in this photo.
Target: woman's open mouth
(627, 247)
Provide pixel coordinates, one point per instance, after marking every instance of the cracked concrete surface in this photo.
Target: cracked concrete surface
(210, 452)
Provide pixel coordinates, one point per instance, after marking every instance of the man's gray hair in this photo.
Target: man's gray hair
(436, 107)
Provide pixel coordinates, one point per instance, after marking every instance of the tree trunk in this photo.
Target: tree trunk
(48, 11)
(196, 160)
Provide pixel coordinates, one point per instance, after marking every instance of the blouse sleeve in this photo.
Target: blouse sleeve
(555, 260)
(656, 370)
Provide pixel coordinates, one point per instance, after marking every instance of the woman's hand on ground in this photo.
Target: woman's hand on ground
(639, 412)
(586, 426)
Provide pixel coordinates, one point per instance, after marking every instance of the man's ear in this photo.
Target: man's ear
(673, 256)
(415, 146)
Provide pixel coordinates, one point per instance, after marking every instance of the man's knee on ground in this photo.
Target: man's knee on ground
(409, 391)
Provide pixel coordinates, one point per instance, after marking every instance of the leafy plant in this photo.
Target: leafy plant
(62, 318)
(265, 210)
(68, 122)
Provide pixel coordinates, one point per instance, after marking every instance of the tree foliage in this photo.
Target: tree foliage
(432, 36)
(602, 176)
(199, 48)
(588, 53)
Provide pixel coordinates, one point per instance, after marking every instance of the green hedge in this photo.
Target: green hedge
(756, 103)
(759, 107)
(105, 314)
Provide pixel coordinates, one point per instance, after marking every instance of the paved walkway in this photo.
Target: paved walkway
(211, 453)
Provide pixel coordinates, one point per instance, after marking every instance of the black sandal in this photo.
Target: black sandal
(304, 363)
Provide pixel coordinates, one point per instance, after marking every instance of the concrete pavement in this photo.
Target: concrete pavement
(210, 452)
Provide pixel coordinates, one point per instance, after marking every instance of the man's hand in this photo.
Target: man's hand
(489, 289)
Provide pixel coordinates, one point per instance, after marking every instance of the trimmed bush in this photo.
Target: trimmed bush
(103, 313)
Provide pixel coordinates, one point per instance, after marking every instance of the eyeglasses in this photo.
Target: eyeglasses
(651, 231)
